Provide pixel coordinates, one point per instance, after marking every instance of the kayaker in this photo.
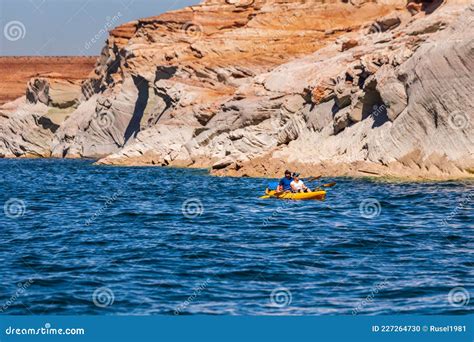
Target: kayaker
(285, 183)
(297, 185)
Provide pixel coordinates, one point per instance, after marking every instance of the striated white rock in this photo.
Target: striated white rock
(237, 86)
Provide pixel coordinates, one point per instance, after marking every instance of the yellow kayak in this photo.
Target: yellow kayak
(315, 195)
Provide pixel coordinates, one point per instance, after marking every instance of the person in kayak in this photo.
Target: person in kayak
(285, 183)
(297, 185)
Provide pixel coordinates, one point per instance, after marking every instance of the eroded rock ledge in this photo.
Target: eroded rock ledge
(245, 87)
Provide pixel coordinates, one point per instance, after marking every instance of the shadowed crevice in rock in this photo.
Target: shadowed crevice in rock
(380, 116)
(134, 125)
(371, 103)
(427, 6)
(334, 109)
(168, 101)
(164, 72)
(112, 65)
(38, 91)
(47, 124)
(431, 6)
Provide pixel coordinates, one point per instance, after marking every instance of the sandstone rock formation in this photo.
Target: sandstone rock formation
(17, 71)
(244, 87)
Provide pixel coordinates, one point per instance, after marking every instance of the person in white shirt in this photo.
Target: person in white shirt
(297, 185)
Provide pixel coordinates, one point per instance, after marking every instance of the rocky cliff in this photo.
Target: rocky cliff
(249, 86)
(17, 71)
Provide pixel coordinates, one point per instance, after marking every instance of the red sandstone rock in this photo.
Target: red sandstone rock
(17, 71)
(252, 82)
(349, 44)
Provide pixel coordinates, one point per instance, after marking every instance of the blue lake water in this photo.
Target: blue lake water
(83, 239)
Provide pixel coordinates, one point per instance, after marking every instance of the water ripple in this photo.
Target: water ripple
(127, 232)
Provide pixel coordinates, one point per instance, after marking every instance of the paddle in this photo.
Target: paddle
(276, 194)
(269, 196)
(328, 185)
(312, 179)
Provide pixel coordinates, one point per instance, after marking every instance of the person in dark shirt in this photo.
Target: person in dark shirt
(285, 183)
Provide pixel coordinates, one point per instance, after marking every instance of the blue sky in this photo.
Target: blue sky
(69, 27)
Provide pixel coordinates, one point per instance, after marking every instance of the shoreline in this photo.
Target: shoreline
(324, 170)
(352, 103)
